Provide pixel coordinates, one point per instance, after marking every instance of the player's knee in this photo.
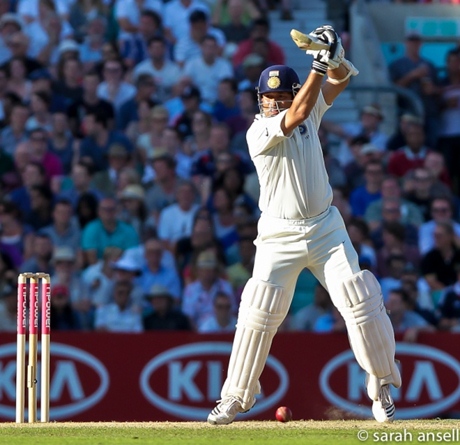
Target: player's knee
(359, 297)
(263, 305)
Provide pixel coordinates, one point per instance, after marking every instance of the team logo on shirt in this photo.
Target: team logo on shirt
(302, 129)
(273, 82)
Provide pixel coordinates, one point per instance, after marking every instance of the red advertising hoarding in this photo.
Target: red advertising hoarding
(176, 377)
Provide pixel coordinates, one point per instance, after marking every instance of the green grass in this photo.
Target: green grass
(239, 433)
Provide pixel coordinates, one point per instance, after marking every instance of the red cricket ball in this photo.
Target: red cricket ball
(283, 414)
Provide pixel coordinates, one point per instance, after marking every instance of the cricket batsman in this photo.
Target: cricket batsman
(299, 228)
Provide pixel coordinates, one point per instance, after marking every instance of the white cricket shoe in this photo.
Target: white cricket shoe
(383, 408)
(226, 411)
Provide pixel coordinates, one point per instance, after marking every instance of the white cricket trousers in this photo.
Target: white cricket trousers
(322, 244)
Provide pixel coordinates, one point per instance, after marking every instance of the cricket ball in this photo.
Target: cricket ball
(283, 414)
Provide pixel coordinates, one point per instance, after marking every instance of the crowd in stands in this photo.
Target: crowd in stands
(125, 174)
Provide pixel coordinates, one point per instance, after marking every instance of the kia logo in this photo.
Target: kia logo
(194, 375)
(431, 382)
(78, 381)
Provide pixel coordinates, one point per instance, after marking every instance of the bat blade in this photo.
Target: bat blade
(307, 41)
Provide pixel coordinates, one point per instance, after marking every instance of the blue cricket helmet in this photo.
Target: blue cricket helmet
(278, 78)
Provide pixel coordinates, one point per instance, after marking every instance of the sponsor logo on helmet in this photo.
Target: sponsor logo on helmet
(273, 82)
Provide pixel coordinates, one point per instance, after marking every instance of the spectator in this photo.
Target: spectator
(63, 317)
(393, 242)
(360, 238)
(10, 23)
(191, 99)
(190, 46)
(403, 318)
(249, 72)
(8, 272)
(40, 107)
(133, 209)
(106, 231)
(150, 141)
(411, 155)
(68, 84)
(17, 78)
(38, 143)
(93, 42)
(134, 50)
(121, 315)
(441, 211)
(395, 264)
(16, 240)
(90, 103)
(362, 197)
(201, 237)
(177, 17)
(398, 139)
(223, 319)
(419, 75)
(142, 125)
(79, 183)
(449, 306)
(164, 316)
(449, 134)
(162, 192)
(33, 174)
(369, 125)
(41, 204)
(199, 295)
(390, 188)
(64, 230)
(128, 14)
(86, 209)
(18, 44)
(165, 72)
(176, 220)
(233, 18)
(239, 273)
(224, 218)
(156, 271)
(15, 133)
(83, 13)
(173, 142)
(437, 265)
(421, 187)
(226, 105)
(99, 277)
(206, 69)
(61, 142)
(363, 152)
(436, 165)
(391, 212)
(260, 28)
(198, 140)
(128, 270)
(305, 318)
(113, 88)
(99, 139)
(106, 181)
(145, 91)
(41, 255)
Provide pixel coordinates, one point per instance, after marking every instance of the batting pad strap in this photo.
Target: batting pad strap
(263, 308)
(359, 300)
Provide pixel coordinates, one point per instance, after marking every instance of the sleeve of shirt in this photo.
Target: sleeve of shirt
(265, 133)
(131, 238)
(100, 317)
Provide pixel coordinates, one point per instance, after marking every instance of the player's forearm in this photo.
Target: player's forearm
(304, 101)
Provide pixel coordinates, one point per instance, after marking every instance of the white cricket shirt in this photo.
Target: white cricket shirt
(293, 180)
